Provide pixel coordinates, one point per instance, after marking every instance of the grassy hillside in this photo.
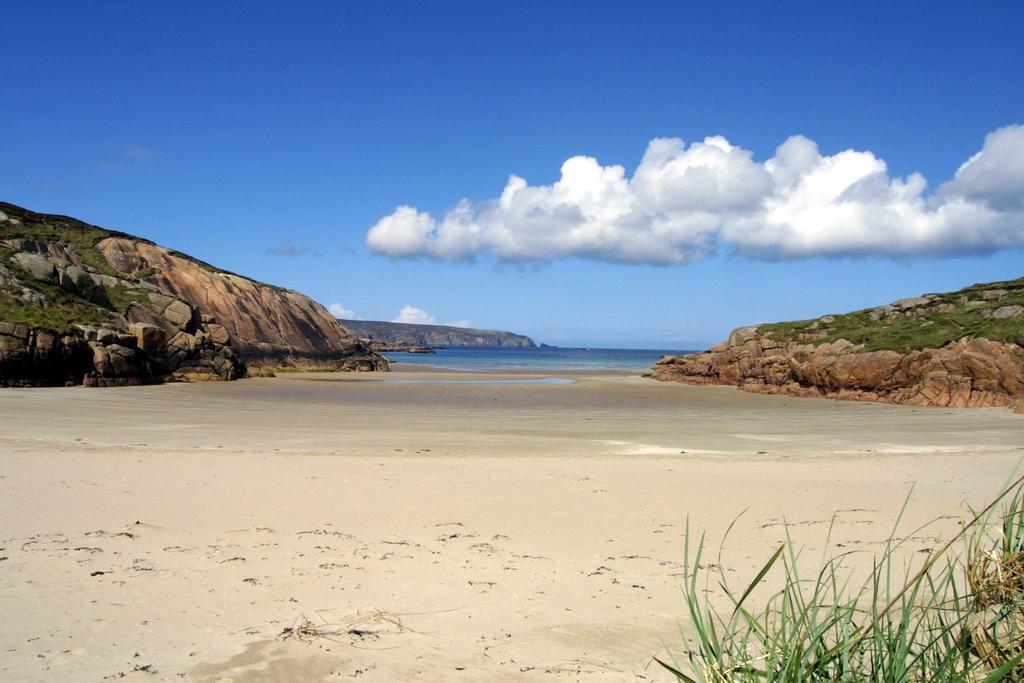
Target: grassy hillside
(930, 321)
(59, 316)
(80, 236)
(62, 309)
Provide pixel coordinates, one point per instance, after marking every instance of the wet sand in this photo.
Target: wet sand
(433, 530)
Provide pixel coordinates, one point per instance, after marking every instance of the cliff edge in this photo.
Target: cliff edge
(955, 349)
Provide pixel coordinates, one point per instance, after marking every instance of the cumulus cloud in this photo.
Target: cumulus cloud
(417, 316)
(684, 201)
(995, 175)
(339, 311)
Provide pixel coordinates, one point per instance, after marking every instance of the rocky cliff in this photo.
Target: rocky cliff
(84, 305)
(957, 349)
(435, 336)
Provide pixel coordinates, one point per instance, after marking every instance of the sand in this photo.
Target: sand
(428, 530)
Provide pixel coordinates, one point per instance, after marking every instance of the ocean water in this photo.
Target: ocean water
(541, 359)
(489, 382)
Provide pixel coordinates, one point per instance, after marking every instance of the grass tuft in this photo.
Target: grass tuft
(959, 617)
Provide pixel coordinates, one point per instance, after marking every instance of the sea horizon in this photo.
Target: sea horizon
(544, 358)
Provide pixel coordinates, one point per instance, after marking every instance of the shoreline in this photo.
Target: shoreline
(423, 367)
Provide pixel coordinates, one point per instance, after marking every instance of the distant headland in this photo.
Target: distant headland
(391, 336)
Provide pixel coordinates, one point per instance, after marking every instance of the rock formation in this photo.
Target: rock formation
(267, 325)
(435, 336)
(956, 350)
(399, 347)
(84, 305)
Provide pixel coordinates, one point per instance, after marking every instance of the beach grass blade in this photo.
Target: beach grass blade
(958, 617)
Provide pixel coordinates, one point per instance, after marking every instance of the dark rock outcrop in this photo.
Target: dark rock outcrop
(83, 305)
(808, 361)
(40, 357)
(435, 336)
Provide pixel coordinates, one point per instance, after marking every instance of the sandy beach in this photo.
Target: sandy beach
(494, 528)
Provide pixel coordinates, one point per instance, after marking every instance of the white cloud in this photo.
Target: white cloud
(339, 311)
(995, 175)
(462, 323)
(684, 201)
(416, 316)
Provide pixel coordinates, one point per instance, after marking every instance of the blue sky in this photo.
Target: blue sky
(270, 138)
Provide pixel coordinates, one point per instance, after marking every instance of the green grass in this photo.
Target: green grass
(80, 237)
(121, 298)
(958, 617)
(64, 309)
(60, 315)
(83, 238)
(932, 330)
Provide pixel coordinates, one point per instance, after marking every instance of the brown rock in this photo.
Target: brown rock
(36, 265)
(219, 334)
(179, 313)
(970, 372)
(192, 358)
(267, 325)
(180, 322)
(150, 338)
(1007, 312)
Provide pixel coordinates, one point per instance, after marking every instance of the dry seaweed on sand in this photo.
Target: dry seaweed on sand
(361, 626)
